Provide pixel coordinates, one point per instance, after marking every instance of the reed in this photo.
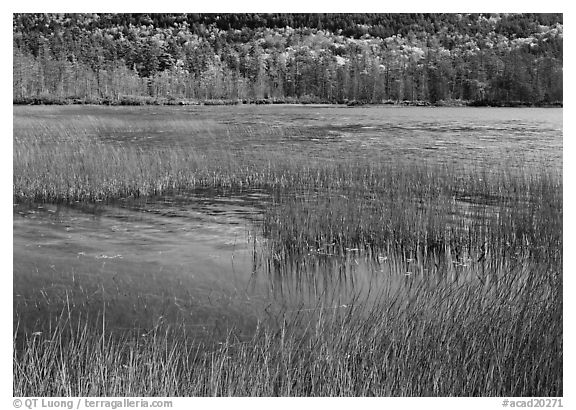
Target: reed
(473, 337)
(483, 317)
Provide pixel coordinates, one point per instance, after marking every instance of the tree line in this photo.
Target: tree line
(368, 58)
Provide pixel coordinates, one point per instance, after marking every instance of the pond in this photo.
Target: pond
(199, 258)
(483, 136)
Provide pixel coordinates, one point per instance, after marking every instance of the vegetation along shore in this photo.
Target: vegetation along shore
(479, 251)
(495, 59)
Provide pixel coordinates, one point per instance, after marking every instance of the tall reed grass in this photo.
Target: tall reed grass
(501, 337)
(416, 209)
(496, 333)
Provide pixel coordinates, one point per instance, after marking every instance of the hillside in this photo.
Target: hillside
(497, 59)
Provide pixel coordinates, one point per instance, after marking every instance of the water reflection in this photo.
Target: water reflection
(168, 259)
(195, 259)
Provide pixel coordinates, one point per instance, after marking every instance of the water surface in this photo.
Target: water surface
(482, 136)
(197, 257)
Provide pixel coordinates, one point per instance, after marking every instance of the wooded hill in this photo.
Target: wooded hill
(497, 59)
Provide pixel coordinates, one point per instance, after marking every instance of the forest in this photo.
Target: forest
(440, 59)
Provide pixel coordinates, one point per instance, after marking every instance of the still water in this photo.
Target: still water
(198, 258)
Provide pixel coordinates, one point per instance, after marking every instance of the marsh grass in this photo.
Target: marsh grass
(417, 211)
(501, 337)
(425, 225)
(480, 315)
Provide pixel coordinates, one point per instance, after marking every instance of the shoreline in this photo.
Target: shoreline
(163, 101)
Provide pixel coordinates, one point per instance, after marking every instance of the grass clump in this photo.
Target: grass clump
(476, 337)
(479, 313)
